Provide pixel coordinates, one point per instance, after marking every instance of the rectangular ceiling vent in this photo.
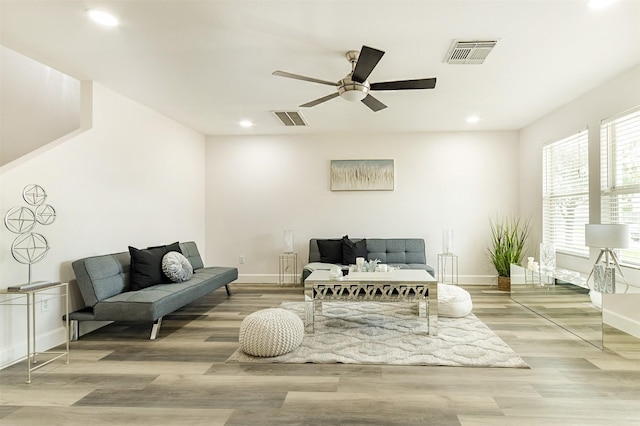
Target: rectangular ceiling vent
(290, 118)
(469, 52)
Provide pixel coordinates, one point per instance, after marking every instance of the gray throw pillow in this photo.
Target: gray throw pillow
(176, 267)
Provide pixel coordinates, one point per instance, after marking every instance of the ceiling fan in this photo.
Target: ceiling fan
(355, 87)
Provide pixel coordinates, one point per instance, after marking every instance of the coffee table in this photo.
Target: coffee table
(400, 285)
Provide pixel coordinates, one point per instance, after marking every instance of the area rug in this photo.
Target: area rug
(392, 333)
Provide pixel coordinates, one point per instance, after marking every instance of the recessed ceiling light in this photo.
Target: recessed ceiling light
(103, 18)
(246, 124)
(599, 4)
(472, 119)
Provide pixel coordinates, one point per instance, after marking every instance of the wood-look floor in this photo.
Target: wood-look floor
(119, 377)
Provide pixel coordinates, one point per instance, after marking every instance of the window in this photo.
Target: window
(620, 177)
(565, 193)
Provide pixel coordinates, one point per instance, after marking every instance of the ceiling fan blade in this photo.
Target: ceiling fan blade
(374, 104)
(367, 61)
(304, 78)
(423, 83)
(320, 100)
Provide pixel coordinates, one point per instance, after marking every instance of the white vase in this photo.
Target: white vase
(288, 241)
(447, 241)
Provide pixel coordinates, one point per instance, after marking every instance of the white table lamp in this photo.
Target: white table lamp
(607, 238)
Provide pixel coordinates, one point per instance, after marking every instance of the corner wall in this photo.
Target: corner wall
(258, 186)
(135, 178)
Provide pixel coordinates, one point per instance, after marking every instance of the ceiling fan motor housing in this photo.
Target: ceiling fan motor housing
(352, 90)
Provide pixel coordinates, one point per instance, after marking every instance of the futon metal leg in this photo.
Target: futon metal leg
(228, 291)
(156, 328)
(74, 330)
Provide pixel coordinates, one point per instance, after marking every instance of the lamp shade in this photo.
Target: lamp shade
(607, 236)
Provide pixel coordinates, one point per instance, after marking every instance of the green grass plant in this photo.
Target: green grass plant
(508, 238)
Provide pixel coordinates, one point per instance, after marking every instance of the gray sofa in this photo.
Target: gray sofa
(104, 283)
(404, 253)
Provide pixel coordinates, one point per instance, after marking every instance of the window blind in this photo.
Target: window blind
(565, 193)
(620, 177)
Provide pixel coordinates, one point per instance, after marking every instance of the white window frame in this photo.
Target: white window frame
(620, 177)
(565, 193)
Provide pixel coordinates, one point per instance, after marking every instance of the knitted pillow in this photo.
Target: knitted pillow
(176, 267)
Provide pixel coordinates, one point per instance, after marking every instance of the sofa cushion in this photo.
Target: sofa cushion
(352, 249)
(154, 302)
(169, 247)
(176, 267)
(397, 250)
(330, 251)
(100, 277)
(146, 267)
(190, 251)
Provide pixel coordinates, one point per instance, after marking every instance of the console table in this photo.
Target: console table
(564, 297)
(34, 293)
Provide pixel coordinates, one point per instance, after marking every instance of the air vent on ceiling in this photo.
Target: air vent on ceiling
(290, 118)
(469, 52)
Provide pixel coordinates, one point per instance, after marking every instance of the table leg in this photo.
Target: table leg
(432, 309)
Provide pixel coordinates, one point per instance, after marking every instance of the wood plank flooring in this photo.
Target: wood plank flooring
(119, 377)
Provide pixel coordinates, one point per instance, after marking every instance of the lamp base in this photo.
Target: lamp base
(604, 279)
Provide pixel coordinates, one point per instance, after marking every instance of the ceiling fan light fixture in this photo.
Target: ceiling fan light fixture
(353, 91)
(353, 95)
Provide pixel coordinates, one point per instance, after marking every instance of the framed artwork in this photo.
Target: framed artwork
(362, 175)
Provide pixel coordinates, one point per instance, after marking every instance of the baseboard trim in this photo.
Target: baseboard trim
(44, 342)
(622, 322)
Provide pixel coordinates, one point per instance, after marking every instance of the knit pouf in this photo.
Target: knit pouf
(271, 332)
(453, 301)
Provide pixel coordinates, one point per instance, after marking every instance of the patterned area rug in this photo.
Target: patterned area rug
(392, 333)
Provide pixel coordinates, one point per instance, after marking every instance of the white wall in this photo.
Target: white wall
(611, 98)
(135, 178)
(258, 186)
(38, 104)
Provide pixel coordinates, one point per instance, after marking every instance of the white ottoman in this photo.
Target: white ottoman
(271, 332)
(453, 301)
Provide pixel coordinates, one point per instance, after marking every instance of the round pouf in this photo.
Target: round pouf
(453, 301)
(271, 332)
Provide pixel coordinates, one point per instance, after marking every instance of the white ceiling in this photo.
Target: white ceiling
(208, 64)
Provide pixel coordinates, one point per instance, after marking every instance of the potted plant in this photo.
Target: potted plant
(508, 237)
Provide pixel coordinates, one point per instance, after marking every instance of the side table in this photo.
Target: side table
(448, 268)
(39, 292)
(288, 268)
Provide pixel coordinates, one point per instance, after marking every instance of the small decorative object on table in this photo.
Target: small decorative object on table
(532, 273)
(288, 241)
(547, 256)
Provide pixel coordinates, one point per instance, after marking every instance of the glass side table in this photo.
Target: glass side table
(34, 294)
(448, 268)
(288, 269)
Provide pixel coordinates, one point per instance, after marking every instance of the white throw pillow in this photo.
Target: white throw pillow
(177, 267)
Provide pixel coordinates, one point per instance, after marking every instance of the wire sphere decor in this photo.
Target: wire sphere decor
(34, 195)
(20, 220)
(30, 247)
(45, 214)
